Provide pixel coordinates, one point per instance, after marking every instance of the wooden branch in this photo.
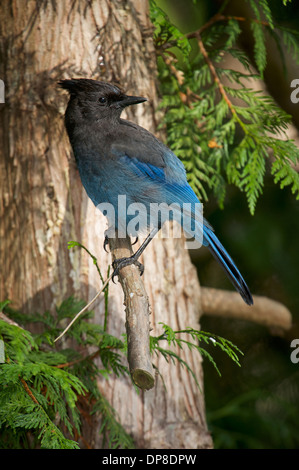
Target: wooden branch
(8, 320)
(214, 19)
(137, 316)
(214, 74)
(229, 304)
(27, 389)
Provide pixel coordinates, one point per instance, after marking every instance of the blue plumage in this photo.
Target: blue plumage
(116, 157)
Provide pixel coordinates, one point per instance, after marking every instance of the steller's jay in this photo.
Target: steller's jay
(117, 157)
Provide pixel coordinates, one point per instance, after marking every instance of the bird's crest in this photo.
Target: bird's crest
(77, 85)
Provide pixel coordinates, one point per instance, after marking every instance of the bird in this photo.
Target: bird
(116, 157)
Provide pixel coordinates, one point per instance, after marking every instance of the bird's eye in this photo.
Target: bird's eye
(102, 100)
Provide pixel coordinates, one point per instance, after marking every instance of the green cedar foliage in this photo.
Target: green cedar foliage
(40, 384)
(43, 385)
(181, 339)
(224, 130)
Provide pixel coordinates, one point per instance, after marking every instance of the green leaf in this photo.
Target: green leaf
(260, 52)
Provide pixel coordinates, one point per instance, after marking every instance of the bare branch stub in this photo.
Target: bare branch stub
(137, 316)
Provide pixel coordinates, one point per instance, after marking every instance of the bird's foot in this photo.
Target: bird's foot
(120, 263)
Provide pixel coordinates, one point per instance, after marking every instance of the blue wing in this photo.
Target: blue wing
(171, 178)
(174, 187)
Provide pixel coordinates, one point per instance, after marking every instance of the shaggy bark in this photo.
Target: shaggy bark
(43, 204)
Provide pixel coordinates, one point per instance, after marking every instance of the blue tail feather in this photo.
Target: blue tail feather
(226, 262)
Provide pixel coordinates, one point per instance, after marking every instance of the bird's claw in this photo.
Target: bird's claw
(106, 242)
(136, 240)
(120, 263)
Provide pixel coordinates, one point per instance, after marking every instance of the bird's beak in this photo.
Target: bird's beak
(129, 100)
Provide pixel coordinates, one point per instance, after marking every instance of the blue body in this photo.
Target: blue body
(141, 183)
(117, 157)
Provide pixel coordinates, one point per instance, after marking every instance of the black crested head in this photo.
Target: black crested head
(76, 86)
(95, 99)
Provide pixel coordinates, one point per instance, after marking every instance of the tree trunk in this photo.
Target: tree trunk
(43, 204)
